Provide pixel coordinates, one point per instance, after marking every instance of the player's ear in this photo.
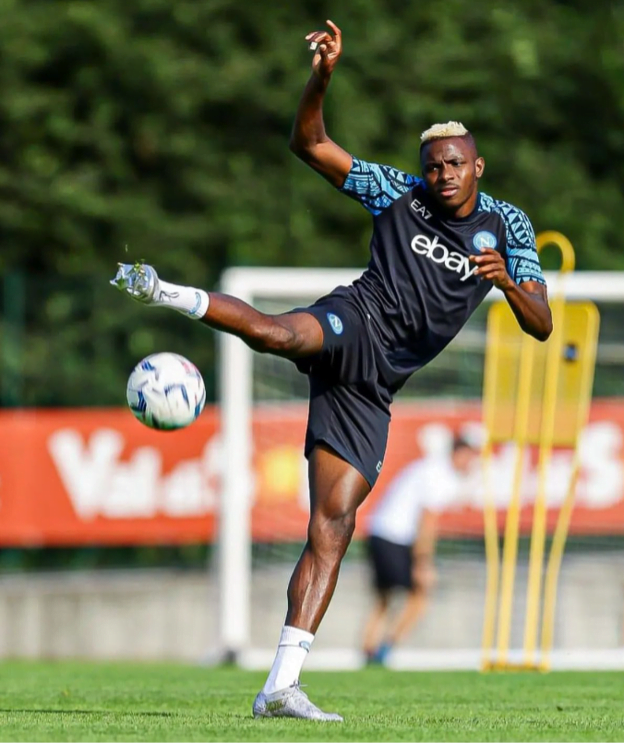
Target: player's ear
(479, 167)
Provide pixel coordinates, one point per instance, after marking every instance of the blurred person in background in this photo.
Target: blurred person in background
(439, 245)
(403, 531)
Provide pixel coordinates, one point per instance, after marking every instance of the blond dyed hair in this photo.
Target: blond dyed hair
(440, 131)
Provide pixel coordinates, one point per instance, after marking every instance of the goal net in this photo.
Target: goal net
(264, 506)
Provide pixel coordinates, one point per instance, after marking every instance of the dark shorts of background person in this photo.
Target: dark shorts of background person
(349, 404)
(392, 564)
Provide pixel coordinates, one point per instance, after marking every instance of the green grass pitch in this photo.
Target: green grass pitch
(146, 702)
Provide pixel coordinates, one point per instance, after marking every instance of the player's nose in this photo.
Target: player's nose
(446, 173)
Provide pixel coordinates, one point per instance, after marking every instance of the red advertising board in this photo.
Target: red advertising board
(71, 477)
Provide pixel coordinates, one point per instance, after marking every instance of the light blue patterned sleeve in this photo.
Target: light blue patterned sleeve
(377, 186)
(522, 260)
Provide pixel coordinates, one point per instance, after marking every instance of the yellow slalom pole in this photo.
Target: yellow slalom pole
(554, 564)
(565, 514)
(552, 237)
(547, 432)
(510, 549)
(490, 529)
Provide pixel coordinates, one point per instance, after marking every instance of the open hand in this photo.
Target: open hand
(491, 265)
(328, 49)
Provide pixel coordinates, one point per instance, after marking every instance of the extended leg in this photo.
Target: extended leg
(337, 489)
(292, 335)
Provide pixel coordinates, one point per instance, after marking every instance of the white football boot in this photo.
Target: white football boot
(291, 702)
(139, 281)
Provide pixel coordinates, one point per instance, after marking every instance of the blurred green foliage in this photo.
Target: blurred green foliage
(159, 130)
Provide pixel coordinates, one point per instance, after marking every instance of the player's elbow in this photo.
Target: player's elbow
(542, 333)
(548, 327)
(303, 150)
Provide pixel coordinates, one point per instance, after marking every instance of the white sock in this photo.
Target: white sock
(187, 300)
(293, 648)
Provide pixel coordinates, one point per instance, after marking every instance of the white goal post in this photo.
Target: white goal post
(236, 377)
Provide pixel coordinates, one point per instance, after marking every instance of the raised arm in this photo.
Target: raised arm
(308, 140)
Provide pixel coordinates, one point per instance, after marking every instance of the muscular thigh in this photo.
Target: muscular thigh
(337, 488)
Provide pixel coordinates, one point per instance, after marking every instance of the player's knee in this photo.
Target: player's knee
(330, 532)
(273, 338)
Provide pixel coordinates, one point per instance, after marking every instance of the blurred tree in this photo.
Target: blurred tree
(158, 130)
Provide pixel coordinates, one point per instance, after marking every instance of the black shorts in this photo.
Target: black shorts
(349, 403)
(392, 564)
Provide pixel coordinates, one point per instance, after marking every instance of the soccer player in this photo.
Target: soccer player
(402, 541)
(438, 247)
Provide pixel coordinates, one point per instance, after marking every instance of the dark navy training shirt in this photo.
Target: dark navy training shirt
(419, 288)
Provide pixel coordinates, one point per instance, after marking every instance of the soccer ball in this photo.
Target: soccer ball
(165, 391)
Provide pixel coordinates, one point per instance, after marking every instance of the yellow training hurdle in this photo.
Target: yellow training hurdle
(535, 394)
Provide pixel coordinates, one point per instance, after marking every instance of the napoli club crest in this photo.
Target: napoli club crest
(484, 239)
(335, 323)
